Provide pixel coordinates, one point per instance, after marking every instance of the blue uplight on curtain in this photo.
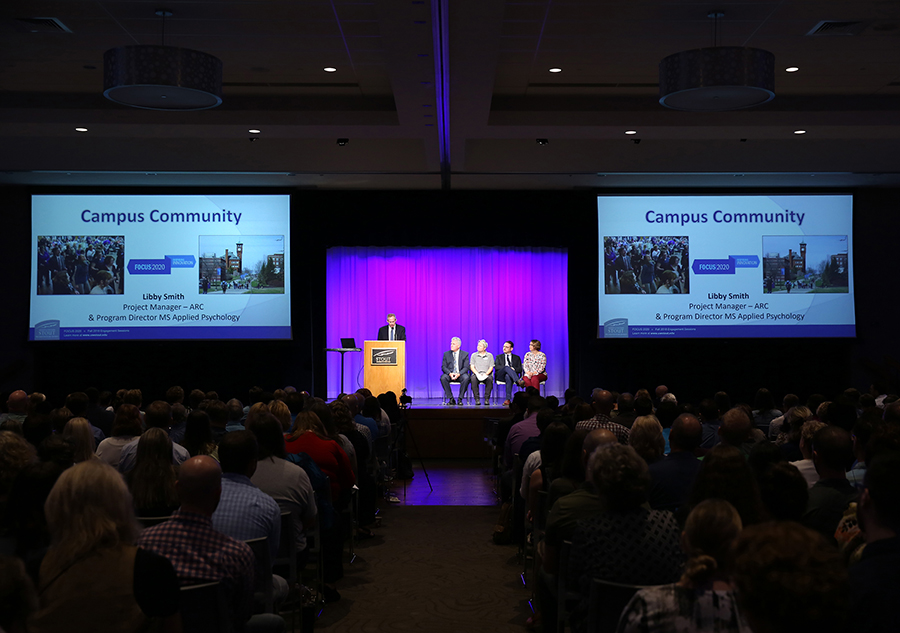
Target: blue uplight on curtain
(497, 294)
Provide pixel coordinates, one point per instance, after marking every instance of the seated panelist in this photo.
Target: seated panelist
(507, 369)
(455, 366)
(482, 367)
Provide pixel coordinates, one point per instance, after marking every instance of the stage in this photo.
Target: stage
(450, 432)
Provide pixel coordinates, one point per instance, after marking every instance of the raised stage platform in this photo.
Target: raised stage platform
(450, 432)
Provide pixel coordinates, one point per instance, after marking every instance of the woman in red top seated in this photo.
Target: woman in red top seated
(308, 436)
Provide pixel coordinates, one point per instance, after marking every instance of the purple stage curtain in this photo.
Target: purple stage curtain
(497, 294)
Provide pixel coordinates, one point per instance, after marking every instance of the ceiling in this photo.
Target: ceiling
(452, 94)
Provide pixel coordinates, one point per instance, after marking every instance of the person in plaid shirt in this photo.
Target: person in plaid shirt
(200, 553)
(603, 402)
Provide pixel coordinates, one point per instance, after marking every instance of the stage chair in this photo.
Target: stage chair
(316, 555)
(287, 548)
(351, 515)
(464, 397)
(567, 595)
(263, 592)
(607, 601)
(205, 609)
(151, 521)
(543, 388)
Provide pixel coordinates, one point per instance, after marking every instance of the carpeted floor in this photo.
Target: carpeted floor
(431, 569)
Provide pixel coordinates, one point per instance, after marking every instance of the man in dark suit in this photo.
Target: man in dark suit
(392, 331)
(508, 369)
(455, 366)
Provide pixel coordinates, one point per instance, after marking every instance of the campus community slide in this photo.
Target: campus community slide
(160, 267)
(727, 266)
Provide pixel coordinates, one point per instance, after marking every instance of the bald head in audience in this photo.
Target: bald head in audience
(603, 401)
(17, 402)
(686, 433)
(595, 439)
(199, 485)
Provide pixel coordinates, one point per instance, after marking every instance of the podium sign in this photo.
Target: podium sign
(385, 366)
(383, 356)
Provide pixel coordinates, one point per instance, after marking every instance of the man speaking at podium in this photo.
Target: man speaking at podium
(392, 331)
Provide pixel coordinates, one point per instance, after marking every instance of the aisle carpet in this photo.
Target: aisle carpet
(431, 569)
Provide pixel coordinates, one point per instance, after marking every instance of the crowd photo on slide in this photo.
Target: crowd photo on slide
(639, 265)
(81, 265)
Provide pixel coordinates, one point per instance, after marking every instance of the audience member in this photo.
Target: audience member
(672, 478)
(201, 554)
(789, 579)
(92, 557)
(805, 465)
(78, 432)
(830, 496)
(286, 483)
(704, 600)
(126, 426)
(875, 579)
(158, 415)
(626, 543)
(602, 402)
(725, 474)
(646, 438)
(152, 480)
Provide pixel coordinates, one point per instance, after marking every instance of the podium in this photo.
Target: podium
(385, 366)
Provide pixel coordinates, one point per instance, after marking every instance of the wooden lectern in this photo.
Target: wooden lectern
(385, 363)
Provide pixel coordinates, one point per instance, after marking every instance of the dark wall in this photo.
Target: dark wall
(690, 368)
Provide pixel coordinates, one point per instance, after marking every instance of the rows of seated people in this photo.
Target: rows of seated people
(101, 495)
(714, 516)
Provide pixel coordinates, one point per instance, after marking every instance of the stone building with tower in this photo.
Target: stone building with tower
(218, 268)
(790, 266)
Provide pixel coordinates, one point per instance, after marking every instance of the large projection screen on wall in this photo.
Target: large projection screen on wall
(152, 267)
(731, 266)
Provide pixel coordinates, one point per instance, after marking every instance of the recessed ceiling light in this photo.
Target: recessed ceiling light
(556, 70)
(791, 69)
(630, 131)
(81, 129)
(253, 131)
(799, 131)
(330, 69)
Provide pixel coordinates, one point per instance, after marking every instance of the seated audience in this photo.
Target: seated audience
(78, 432)
(830, 496)
(201, 554)
(875, 579)
(646, 438)
(286, 483)
(152, 480)
(725, 474)
(672, 478)
(92, 557)
(805, 465)
(790, 579)
(704, 600)
(126, 427)
(627, 543)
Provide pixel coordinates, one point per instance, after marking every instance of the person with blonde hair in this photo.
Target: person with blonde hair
(281, 412)
(92, 555)
(704, 599)
(78, 432)
(647, 438)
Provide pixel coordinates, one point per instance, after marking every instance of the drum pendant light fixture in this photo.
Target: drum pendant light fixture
(162, 77)
(718, 78)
